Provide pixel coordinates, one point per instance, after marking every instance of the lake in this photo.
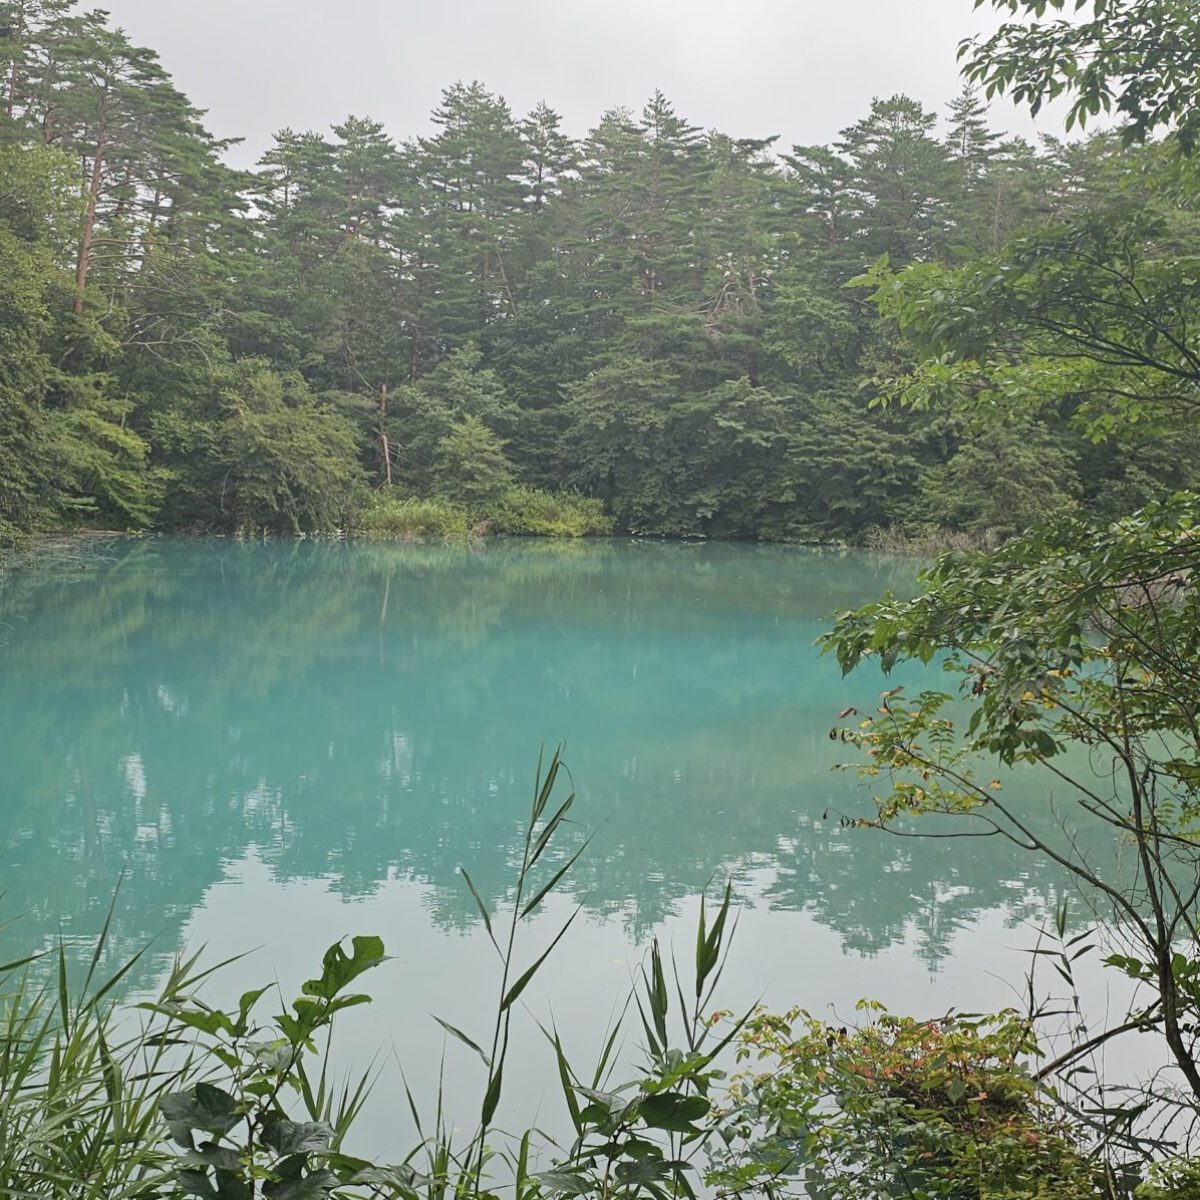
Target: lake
(279, 744)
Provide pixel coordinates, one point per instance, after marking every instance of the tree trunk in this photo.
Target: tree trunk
(383, 437)
(89, 219)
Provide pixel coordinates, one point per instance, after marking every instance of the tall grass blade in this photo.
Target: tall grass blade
(102, 939)
(522, 1175)
(544, 788)
(454, 1031)
(6, 968)
(492, 1099)
(657, 994)
(551, 825)
(64, 999)
(517, 988)
(554, 881)
(568, 1087)
(610, 1045)
(708, 948)
(111, 983)
(483, 912)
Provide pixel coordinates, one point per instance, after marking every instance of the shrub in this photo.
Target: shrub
(901, 1107)
(518, 511)
(387, 515)
(527, 511)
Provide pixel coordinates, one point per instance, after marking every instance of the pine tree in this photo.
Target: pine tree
(900, 178)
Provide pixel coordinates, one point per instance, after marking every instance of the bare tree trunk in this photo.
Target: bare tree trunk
(383, 437)
(89, 221)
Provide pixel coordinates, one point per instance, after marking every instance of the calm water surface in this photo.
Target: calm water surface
(282, 744)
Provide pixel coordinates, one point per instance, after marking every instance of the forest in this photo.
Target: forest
(657, 328)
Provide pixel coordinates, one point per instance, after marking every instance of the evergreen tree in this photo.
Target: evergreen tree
(900, 180)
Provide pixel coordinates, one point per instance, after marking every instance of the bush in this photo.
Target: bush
(525, 511)
(929, 541)
(406, 518)
(519, 511)
(901, 1107)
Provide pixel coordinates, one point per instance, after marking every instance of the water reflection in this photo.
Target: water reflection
(364, 714)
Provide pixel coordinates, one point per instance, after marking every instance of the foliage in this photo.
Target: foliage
(260, 452)
(77, 1111)
(196, 1100)
(1095, 314)
(471, 465)
(517, 511)
(1137, 57)
(526, 511)
(1073, 648)
(899, 1107)
(404, 517)
(998, 483)
(234, 1134)
(1175, 1179)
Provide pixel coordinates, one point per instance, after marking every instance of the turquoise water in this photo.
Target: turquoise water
(280, 744)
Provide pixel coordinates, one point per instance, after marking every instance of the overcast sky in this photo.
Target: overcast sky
(802, 69)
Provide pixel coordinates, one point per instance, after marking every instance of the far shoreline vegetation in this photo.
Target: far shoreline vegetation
(924, 336)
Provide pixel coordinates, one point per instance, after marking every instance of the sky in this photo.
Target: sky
(802, 69)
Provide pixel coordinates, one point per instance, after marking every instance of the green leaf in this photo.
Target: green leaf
(273, 1056)
(657, 988)
(195, 1183)
(568, 1088)
(647, 1170)
(19, 962)
(231, 1186)
(249, 1000)
(340, 968)
(401, 1177)
(479, 904)
(297, 1137)
(564, 1183)
(203, 1107)
(212, 1155)
(454, 1031)
(551, 825)
(492, 1098)
(673, 1111)
(517, 988)
(554, 880)
(315, 1186)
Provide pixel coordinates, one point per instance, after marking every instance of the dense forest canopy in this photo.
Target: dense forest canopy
(655, 316)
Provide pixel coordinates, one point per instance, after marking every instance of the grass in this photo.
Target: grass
(518, 512)
(930, 542)
(78, 1087)
(406, 518)
(531, 512)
